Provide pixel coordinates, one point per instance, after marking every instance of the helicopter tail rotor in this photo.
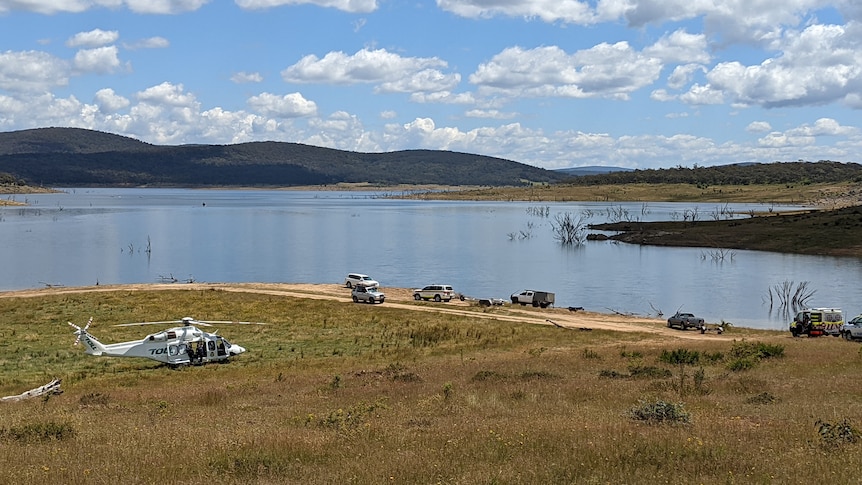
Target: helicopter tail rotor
(80, 332)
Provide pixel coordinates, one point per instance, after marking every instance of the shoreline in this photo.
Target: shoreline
(402, 298)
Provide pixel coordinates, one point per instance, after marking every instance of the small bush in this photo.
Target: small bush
(680, 357)
(591, 354)
(834, 435)
(660, 411)
(762, 398)
(742, 363)
(488, 375)
(758, 350)
(611, 374)
(38, 432)
(648, 372)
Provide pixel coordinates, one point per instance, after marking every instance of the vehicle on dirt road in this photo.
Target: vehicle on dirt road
(815, 322)
(542, 299)
(852, 330)
(354, 279)
(436, 292)
(685, 321)
(367, 294)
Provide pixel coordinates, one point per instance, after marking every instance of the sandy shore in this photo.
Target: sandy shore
(402, 298)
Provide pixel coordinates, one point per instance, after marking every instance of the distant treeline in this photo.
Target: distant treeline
(737, 174)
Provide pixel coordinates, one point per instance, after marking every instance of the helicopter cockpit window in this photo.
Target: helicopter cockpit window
(172, 350)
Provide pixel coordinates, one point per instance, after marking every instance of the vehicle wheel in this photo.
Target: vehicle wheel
(461, 297)
(417, 297)
(381, 300)
(437, 298)
(349, 284)
(355, 300)
(847, 336)
(535, 303)
(370, 301)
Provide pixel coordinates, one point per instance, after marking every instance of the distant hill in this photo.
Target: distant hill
(591, 170)
(78, 157)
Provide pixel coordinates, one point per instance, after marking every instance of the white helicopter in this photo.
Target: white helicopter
(182, 345)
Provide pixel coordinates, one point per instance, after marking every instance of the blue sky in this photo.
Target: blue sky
(550, 83)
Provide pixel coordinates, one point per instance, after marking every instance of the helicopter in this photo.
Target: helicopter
(183, 345)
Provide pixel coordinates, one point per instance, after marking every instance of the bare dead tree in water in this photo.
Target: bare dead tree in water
(569, 231)
(789, 297)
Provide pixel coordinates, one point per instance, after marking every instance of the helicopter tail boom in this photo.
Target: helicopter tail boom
(91, 344)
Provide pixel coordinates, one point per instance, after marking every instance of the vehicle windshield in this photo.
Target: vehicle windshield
(856, 320)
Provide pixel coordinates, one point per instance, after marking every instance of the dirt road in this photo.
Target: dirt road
(403, 299)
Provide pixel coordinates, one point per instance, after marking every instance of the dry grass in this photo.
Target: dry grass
(829, 195)
(340, 393)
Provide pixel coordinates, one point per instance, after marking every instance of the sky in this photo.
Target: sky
(550, 83)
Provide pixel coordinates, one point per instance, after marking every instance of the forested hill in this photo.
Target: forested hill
(78, 157)
(734, 174)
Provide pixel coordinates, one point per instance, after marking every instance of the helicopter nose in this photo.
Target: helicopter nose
(236, 349)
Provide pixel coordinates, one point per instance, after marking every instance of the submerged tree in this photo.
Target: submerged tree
(568, 230)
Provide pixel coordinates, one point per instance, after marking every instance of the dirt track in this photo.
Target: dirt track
(402, 298)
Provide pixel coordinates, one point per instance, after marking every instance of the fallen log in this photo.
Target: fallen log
(52, 387)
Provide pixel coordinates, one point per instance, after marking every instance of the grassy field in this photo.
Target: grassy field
(334, 392)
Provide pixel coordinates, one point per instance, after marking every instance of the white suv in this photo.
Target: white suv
(434, 292)
(354, 279)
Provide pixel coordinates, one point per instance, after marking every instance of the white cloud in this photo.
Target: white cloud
(823, 127)
(758, 127)
(568, 11)
(110, 102)
(77, 6)
(606, 70)
(93, 38)
(391, 73)
(167, 94)
(353, 6)
(246, 77)
(32, 71)
(493, 114)
(819, 65)
(782, 140)
(292, 105)
(682, 75)
(699, 94)
(680, 47)
(149, 43)
(98, 60)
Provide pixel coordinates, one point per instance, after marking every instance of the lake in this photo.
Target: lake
(484, 249)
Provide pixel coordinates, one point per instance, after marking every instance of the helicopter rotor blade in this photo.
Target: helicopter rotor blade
(230, 322)
(134, 324)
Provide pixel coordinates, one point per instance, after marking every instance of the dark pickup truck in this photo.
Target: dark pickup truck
(684, 321)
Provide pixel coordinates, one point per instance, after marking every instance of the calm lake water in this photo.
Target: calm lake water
(484, 249)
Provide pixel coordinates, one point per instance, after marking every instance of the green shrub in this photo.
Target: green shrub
(680, 357)
(660, 411)
(742, 363)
